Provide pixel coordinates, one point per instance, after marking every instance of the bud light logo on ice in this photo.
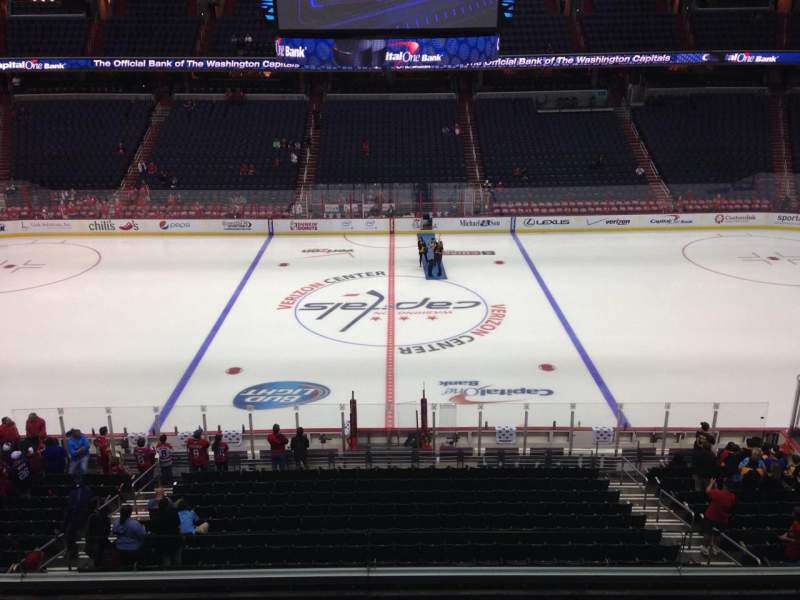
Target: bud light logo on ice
(280, 394)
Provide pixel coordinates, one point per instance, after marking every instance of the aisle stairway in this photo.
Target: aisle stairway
(658, 189)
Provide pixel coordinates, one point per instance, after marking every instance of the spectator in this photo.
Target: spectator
(792, 537)
(117, 468)
(704, 433)
(165, 525)
(145, 460)
(20, 473)
(8, 432)
(190, 522)
(721, 502)
(6, 488)
(293, 157)
(77, 515)
(277, 448)
(35, 427)
(55, 457)
(103, 448)
(773, 481)
(728, 459)
(35, 463)
(365, 148)
(152, 504)
(130, 535)
(98, 527)
(220, 450)
(164, 451)
(78, 450)
(300, 449)
(197, 446)
(276, 144)
(752, 467)
(704, 465)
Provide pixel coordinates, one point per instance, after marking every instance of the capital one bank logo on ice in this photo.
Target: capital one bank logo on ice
(472, 392)
(280, 394)
(425, 316)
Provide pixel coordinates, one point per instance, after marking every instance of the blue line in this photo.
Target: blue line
(622, 421)
(187, 375)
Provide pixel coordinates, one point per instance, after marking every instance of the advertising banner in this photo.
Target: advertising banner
(471, 52)
(784, 220)
(493, 224)
(571, 223)
(7, 227)
(312, 226)
(397, 54)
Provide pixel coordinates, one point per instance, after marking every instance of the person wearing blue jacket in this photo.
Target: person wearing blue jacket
(78, 450)
(130, 535)
(55, 457)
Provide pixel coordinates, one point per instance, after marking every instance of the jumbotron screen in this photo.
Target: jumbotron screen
(333, 16)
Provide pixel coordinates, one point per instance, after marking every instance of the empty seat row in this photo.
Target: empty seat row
(432, 522)
(429, 554)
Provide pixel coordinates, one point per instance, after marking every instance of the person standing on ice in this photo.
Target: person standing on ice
(429, 255)
(421, 249)
(438, 250)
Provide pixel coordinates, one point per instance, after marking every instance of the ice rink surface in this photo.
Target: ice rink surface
(617, 324)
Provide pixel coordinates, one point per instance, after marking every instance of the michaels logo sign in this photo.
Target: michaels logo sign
(479, 222)
(284, 51)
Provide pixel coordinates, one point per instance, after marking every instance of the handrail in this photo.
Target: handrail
(739, 545)
(109, 500)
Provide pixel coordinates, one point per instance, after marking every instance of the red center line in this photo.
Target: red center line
(390, 306)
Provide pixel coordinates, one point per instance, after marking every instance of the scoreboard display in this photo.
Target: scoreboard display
(359, 16)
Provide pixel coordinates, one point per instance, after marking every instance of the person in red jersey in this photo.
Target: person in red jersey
(720, 504)
(277, 448)
(792, 537)
(145, 458)
(197, 446)
(220, 450)
(35, 427)
(35, 462)
(8, 432)
(103, 447)
(164, 451)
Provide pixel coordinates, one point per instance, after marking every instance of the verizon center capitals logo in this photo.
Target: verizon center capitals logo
(354, 309)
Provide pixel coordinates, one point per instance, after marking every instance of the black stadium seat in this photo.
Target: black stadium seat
(508, 517)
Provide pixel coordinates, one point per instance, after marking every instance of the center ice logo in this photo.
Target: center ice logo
(280, 394)
(426, 316)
